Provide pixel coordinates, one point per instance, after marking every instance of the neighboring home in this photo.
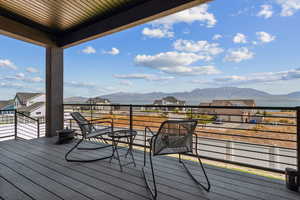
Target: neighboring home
(100, 101)
(234, 115)
(169, 101)
(35, 110)
(31, 104)
(6, 105)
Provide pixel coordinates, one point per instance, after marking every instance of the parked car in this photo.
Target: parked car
(218, 121)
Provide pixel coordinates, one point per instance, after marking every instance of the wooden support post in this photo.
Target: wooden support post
(54, 90)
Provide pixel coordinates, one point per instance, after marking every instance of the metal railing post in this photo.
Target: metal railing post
(191, 117)
(38, 128)
(130, 117)
(91, 112)
(16, 125)
(298, 143)
(70, 123)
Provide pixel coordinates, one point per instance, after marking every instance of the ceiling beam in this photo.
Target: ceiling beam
(20, 31)
(140, 14)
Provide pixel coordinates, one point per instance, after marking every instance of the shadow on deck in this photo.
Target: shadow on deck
(36, 169)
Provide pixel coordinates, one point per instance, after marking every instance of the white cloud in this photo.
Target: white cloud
(32, 70)
(77, 84)
(288, 7)
(22, 77)
(264, 77)
(5, 63)
(191, 70)
(171, 58)
(199, 13)
(126, 83)
(12, 85)
(239, 55)
(186, 31)
(202, 47)
(266, 11)
(217, 37)
(113, 51)
(176, 63)
(148, 77)
(265, 37)
(158, 33)
(35, 79)
(89, 50)
(239, 38)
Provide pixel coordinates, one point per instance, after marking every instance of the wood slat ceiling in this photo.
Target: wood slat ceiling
(62, 15)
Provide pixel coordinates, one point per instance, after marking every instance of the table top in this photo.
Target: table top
(65, 131)
(122, 133)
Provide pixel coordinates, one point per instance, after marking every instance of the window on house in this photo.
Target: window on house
(38, 113)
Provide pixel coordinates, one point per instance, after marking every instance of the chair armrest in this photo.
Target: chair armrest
(148, 128)
(101, 121)
(97, 121)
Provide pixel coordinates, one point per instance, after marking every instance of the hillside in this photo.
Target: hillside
(196, 96)
(192, 97)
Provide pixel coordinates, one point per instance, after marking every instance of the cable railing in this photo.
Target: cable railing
(17, 125)
(258, 137)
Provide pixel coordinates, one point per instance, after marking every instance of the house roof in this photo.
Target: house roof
(65, 23)
(32, 107)
(25, 96)
(6, 103)
(97, 100)
(234, 102)
(204, 104)
(170, 99)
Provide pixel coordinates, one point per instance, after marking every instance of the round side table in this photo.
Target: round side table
(117, 137)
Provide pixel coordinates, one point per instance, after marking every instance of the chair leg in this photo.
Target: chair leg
(87, 160)
(152, 192)
(206, 188)
(92, 148)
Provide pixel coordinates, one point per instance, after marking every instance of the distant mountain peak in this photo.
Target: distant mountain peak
(194, 97)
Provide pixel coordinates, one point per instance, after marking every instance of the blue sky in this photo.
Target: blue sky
(247, 44)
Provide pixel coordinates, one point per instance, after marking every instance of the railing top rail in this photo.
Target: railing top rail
(27, 116)
(191, 106)
(7, 110)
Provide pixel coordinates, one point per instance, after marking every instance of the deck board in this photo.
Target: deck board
(37, 167)
(11, 192)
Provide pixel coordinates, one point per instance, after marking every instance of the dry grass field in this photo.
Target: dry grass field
(256, 134)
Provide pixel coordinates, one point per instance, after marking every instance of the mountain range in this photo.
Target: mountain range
(196, 96)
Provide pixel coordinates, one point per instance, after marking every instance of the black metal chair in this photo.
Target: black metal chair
(89, 131)
(173, 137)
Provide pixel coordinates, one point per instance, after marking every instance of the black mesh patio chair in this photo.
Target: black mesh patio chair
(173, 137)
(89, 131)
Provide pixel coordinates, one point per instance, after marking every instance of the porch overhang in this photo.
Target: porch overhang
(68, 23)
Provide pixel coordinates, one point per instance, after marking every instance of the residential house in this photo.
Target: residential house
(6, 106)
(31, 104)
(99, 103)
(169, 101)
(231, 115)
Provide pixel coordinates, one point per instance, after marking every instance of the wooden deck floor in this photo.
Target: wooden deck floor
(36, 169)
